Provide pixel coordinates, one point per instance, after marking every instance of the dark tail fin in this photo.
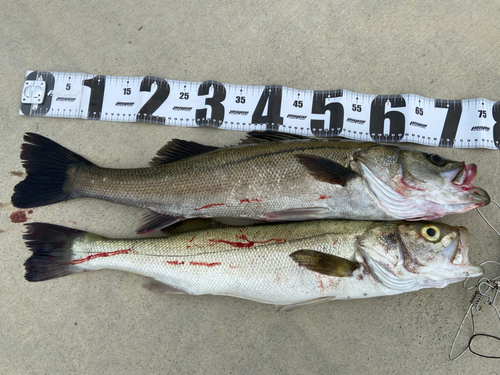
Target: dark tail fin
(51, 247)
(46, 163)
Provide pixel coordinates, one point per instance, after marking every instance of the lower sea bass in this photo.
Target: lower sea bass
(271, 176)
(287, 264)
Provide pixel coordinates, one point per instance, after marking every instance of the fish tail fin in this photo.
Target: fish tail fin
(46, 163)
(52, 253)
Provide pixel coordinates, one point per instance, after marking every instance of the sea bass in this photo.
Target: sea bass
(271, 176)
(287, 264)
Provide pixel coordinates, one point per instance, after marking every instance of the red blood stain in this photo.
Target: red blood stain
(30, 212)
(335, 242)
(76, 323)
(100, 255)
(246, 200)
(72, 222)
(174, 262)
(211, 205)
(19, 216)
(204, 264)
(324, 197)
(248, 243)
(320, 283)
(191, 240)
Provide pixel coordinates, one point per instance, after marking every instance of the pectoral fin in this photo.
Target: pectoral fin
(326, 170)
(326, 264)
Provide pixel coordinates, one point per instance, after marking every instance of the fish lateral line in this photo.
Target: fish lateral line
(99, 255)
(211, 205)
(245, 244)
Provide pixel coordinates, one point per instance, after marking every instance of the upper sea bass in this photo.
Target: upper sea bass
(270, 176)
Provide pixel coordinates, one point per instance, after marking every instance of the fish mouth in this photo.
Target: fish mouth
(457, 253)
(465, 176)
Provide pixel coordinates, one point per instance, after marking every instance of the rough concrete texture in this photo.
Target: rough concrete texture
(106, 322)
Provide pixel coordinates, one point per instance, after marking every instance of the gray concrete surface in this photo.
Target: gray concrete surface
(105, 322)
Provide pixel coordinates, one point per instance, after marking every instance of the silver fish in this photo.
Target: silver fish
(289, 264)
(272, 177)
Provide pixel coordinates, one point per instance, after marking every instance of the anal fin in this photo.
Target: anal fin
(159, 287)
(307, 213)
(152, 221)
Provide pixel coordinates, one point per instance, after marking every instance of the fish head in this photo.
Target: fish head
(414, 185)
(408, 256)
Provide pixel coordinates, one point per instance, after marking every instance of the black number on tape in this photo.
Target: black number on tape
(96, 86)
(44, 107)
(378, 116)
(215, 102)
(184, 95)
(240, 99)
(336, 123)
(127, 91)
(495, 112)
(272, 97)
(451, 122)
(158, 98)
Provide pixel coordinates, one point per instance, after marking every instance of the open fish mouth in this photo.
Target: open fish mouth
(457, 253)
(465, 176)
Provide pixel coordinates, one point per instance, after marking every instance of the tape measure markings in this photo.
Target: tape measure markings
(470, 123)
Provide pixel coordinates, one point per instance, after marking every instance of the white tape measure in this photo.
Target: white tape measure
(471, 123)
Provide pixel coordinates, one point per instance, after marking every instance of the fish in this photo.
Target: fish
(288, 264)
(270, 176)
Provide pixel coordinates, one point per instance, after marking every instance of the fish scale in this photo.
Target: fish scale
(260, 263)
(273, 180)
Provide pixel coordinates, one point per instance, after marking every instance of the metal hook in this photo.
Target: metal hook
(484, 218)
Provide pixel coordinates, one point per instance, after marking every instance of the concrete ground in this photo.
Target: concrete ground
(106, 322)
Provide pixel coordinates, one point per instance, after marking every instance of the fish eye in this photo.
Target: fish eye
(430, 232)
(436, 159)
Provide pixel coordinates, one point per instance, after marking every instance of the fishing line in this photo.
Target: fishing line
(468, 123)
(486, 294)
(487, 222)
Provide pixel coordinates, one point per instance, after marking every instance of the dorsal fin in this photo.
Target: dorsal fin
(258, 136)
(178, 149)
(326, 264)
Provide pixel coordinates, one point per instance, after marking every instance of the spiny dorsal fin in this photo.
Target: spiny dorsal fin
(326, 170)
(326, 264)
(257, 136)
(178, 149)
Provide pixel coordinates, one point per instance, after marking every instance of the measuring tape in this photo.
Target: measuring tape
(471, 123)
